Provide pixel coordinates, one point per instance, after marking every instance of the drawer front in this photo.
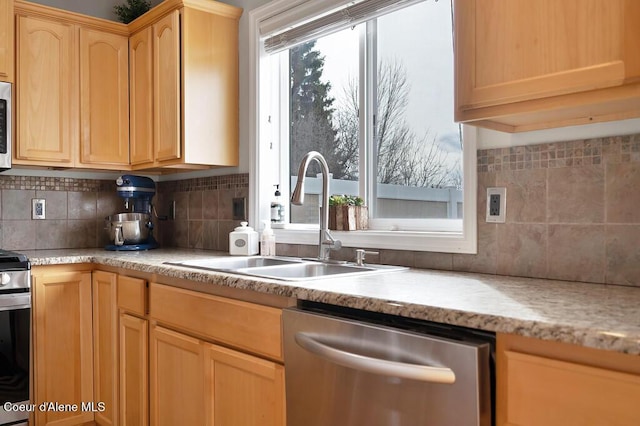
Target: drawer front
(544, 391)
(132, 295)
(254, 328)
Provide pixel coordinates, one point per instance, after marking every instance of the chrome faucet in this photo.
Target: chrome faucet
(326, 242)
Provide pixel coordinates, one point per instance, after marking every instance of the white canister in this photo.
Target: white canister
(243, 240)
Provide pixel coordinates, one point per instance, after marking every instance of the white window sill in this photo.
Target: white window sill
(446, 242)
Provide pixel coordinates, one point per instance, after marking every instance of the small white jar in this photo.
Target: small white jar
(243, 240)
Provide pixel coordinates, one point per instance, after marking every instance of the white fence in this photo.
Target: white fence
(393, 201)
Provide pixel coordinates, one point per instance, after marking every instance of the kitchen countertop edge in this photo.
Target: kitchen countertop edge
(586, 321)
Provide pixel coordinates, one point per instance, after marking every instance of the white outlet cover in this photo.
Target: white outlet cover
(500, 218)
(38, 208)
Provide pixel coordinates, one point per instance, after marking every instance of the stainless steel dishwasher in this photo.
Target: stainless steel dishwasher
(347, 367)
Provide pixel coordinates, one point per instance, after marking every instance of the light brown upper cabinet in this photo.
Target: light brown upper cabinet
(192, 85)
(166, 87)
(72, 90)
(46, 112)
(523, 65)
(141, 98)
(104, 98)
(6, 40)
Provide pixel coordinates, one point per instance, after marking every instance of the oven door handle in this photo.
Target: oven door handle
(9, 302)
(384, 367)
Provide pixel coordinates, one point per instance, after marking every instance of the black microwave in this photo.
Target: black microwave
(5, 126)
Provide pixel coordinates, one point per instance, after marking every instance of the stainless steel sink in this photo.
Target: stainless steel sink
(288, 269)
(234, 263)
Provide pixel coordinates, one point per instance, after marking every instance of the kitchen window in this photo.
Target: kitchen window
(374, 95)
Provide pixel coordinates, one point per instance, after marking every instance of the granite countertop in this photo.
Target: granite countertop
(591, 315)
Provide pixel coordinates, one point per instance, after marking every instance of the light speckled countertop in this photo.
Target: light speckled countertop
(592, 315)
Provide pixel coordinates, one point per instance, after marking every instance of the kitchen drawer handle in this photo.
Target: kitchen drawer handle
(374, 365)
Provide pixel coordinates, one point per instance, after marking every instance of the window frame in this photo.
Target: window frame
(266, 125)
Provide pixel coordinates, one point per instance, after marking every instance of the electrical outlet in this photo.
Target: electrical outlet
(38, 208)
(496, 205)
(239, 208)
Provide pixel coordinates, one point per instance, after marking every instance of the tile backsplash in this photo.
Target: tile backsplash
(203, 211)
(573, 213)
(75, 211)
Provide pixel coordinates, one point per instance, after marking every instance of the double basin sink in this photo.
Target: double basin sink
(283, 268)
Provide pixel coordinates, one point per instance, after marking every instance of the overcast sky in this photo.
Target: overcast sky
(420, 37)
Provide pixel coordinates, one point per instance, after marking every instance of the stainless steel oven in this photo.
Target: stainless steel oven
(15, 338)
(354, 368)
(5, 126)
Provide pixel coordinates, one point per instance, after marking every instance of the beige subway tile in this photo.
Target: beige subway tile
(195, 205)
(577, 252)
(623, 193)
(210, 235)
(526, 195)
(576, 195)
(52, 234)
(397, 257)
(82, 205)
(485, 261)
(522, 250)
(623, 254)
(429, 260)
(195, 234)
(210, 204)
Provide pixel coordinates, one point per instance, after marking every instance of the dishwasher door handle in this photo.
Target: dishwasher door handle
(384, 367)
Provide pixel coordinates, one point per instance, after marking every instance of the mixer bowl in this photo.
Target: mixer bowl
(128, 228)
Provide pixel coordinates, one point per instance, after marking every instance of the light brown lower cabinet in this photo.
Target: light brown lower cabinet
(105, 348)
(134, 351)
(242, 389)
(176, 382)
(63, 349)
(199, 383)
(134, 362)
(541, 383)
(114, 346)
(211, 362)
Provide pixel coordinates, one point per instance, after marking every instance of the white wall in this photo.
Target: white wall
(488, 139)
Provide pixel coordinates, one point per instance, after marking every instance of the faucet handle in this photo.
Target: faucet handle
(360, 254)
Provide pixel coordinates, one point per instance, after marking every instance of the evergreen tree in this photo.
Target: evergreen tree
(311, 112)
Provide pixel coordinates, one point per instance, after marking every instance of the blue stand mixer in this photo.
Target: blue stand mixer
(133, 230)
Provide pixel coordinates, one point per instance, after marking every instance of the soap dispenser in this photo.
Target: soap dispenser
(277, 208)
(267, 240)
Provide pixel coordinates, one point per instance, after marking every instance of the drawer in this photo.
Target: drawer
(132, 295)
(248, 326)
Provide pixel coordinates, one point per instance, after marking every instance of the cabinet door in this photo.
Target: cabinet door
(141, 97)
(510, 51)
(47, 111)
(63, 361)
(545, 383)
(166, 89)
(6, 40)
(210, 99)
(243, 390)
(105, 346)
(104, 98)
(176, 379)
(134, 395)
